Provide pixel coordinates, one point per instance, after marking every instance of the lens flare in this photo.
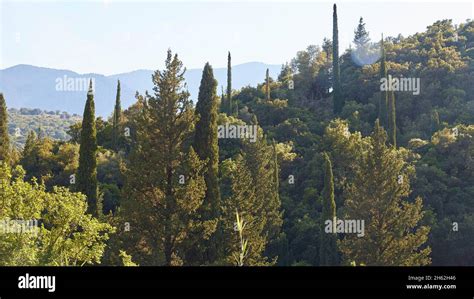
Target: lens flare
(366, 54)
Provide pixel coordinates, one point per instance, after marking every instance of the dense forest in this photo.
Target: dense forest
(277, 174)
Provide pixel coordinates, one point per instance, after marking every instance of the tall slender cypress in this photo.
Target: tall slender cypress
(337, 94)
(87, 171)
(383, 101)
(206, 146)
(267, 85)
(117, 118)
(435, 124)
(276, 173)
(328, 247)
(229, 85)
(392, 117)
(223, 107)
(4, 138)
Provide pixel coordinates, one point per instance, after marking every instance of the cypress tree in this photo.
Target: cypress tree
(267, 85)
(87, 171)
(4, 138)
(223, 107)
(276, 172)
(328, 246)
(392, 120)
(117, 117)
(206, 146)
(383, 102)
(229, 86)
(337, 94)
(435, 125)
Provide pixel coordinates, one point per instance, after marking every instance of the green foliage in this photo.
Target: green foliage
(165, 185)
(206, 146)
(338, 99)
(377, 196)
(384, 95)
(117, 119)
(445, 178)
(54, 124)
(87, 170)
(51, 162)
(251, 210)
(328, 252)
(176, 169)
(361, 36)
(392, 120)
(65, 235)
(4, 138)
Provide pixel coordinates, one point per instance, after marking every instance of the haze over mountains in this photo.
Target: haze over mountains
(27, 86)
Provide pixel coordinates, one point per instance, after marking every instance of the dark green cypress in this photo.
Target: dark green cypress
(337, 94)
(206, 146)
(4, 138)
(223, 107)
(328, 247)
(435, 124)
(267, 85)
(393, 120)
(229, 85)
(87, 171)
(117, 118)
(276, 169)
(383, 101)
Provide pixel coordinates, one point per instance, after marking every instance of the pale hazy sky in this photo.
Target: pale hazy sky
(114, 36)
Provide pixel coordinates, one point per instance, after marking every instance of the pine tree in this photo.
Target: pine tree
(87, 171)
(165, 186)
(337, 93)
(267, 85)
(260, 159)
(377, 195)
(244, 201)
(383, 102)
(206, 146)
(328, 247)
(229, 86)
(117, 117)
(255, 196)
(361, 36)
(5, 153)
(392, 120)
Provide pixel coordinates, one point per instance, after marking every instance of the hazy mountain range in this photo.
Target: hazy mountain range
(27, 86)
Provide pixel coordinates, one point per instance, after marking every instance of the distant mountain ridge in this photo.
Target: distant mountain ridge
(27, 86)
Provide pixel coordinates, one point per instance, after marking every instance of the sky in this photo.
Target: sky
(112, 36)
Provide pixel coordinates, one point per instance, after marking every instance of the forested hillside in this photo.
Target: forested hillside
(53, 124)
(321, 165)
